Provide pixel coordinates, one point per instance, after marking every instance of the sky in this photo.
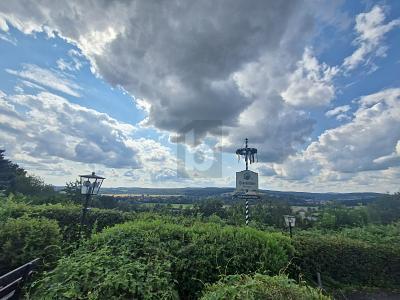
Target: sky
(162, 93)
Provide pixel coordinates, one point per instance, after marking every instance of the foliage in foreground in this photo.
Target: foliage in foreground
(238, 287)
(107, 275)
(67, 216)
(343, 261)
(24, 239)
(185, 257)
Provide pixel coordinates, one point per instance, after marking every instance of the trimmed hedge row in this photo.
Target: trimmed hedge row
(188, 256)
(68, 217)
(24, 239)
(343, 261)
(238, 287)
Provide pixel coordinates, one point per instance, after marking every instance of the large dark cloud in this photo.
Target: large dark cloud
(182, 57)
(190, 60)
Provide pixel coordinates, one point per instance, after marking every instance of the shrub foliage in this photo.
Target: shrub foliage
(107, 275)
(238, 287)
(24, 239)
(344, 261)
(192, 255)
(67, 216)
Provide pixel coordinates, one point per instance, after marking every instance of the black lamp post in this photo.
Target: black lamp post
(290, 221)
(90, 185)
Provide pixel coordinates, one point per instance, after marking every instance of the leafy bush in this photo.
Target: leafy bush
(195, 254)
(105, 275)
(260, 287)
(24, 239)
(376, 234)
(67, 216)
(343, 261)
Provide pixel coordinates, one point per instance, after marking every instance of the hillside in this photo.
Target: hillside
(215, 191)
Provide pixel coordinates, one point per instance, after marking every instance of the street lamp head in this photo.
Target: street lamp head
(289, 220)
(90, 184)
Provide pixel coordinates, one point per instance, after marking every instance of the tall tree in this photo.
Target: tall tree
(14, 179)
(9, 172)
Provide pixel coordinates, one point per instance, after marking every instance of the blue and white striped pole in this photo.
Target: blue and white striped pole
(247, 212)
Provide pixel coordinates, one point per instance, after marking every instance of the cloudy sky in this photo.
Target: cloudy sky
(161, 93)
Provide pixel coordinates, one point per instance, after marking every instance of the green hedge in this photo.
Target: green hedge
(67, 216)
(105, 275)
(238, 287)
(375, 234)
(195, 254)
(24, 239)
(343, 261)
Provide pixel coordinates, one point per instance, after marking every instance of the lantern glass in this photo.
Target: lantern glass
(290, 220)
(90, 184)
(85, 186)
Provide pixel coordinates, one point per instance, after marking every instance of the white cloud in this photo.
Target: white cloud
(66, 66)
(392, 159)
(55, 138)
(3, 24)
(371, 29)
(53, 127)
(339, 112)
(74, 63)
(143, 105)
(8, 38)
(296, 168)
(47, 78)
(369, 142)
(23, 84)
(311, 84)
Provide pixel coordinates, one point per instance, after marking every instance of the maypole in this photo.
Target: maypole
(247, 181)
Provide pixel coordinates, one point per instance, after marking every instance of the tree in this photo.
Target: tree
(8, 172)
(385, 210)
(209, 207)
(327, 221)
(31, 185)
(72, 190)
(336, 216)
(270, 212)
(14, 179)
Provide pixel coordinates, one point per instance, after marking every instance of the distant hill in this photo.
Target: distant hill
(324, 196)
(214, 191)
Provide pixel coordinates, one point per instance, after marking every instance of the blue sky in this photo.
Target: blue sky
(160, 94)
